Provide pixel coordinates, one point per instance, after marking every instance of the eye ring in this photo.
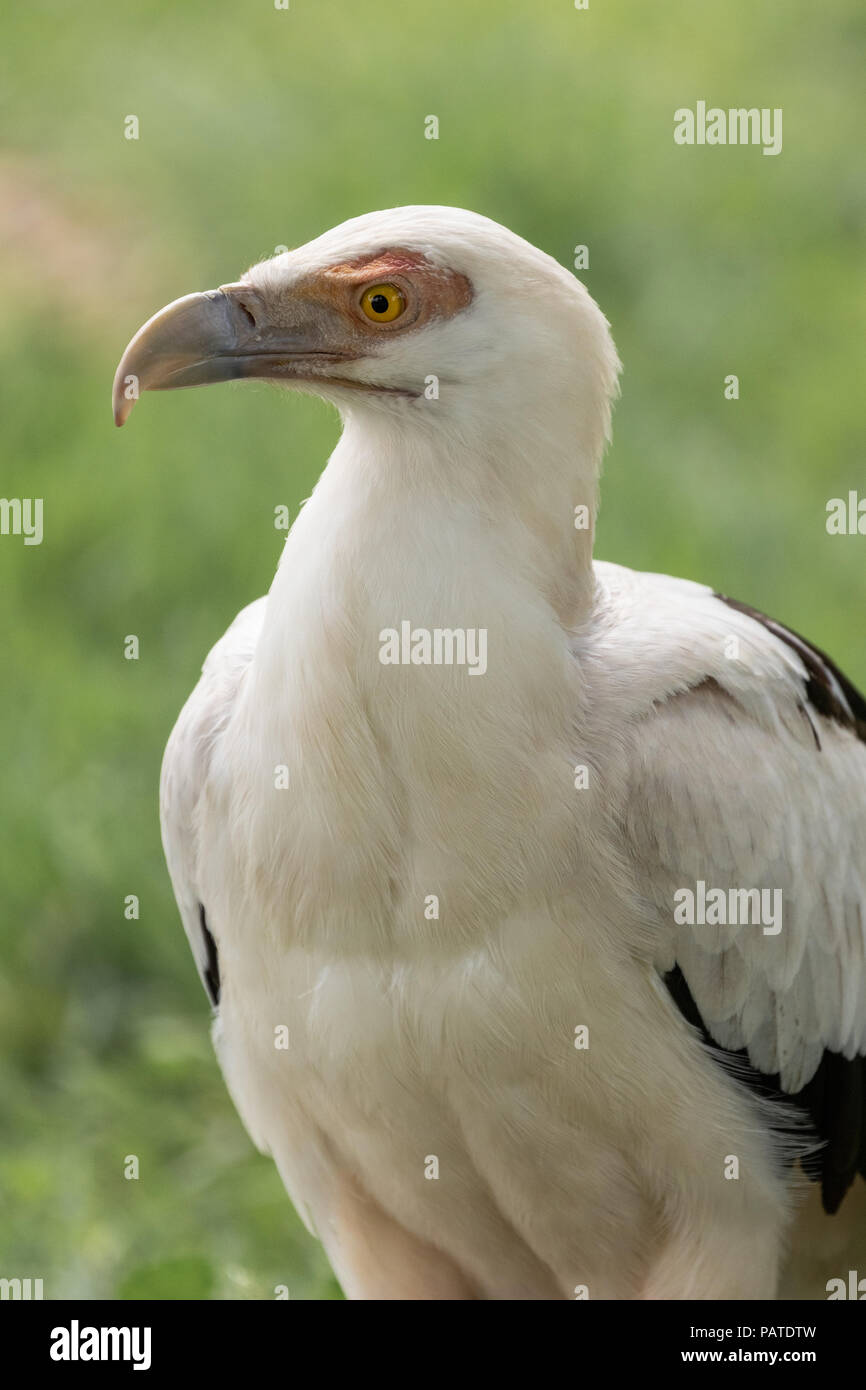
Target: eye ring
(383, 303)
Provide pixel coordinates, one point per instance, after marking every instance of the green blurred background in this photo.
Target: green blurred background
(261, 127)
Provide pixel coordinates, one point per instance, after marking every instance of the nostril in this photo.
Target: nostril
(247, 312)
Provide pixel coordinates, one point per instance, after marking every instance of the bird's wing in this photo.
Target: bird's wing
(747, 770)
(184, 773)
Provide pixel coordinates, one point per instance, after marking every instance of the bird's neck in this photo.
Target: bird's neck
(521, 497)
(412, 665)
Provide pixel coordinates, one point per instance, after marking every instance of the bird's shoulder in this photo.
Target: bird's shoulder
(653, 637)
(743, 816)
(743, 765)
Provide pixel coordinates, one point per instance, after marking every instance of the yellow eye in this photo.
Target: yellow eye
(383, 303)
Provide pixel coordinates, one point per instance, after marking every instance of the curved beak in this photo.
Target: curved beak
(224, 335)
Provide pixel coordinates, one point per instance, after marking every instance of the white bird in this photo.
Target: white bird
(441, 906)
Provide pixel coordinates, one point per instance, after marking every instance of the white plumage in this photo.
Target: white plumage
(316, 802)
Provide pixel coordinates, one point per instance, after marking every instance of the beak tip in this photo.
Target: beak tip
(188, 343)
(120, 410)
(121, 402)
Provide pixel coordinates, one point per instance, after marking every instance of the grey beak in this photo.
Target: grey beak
(220, 335)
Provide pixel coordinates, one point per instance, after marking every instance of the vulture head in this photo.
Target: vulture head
(431, 314)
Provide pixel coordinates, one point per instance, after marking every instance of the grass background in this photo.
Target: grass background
(261, 127)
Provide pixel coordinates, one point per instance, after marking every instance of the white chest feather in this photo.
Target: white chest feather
(416, 899)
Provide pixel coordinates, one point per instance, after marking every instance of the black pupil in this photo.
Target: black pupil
(379, 303)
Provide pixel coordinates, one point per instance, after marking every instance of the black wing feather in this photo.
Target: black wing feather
(211, 972)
